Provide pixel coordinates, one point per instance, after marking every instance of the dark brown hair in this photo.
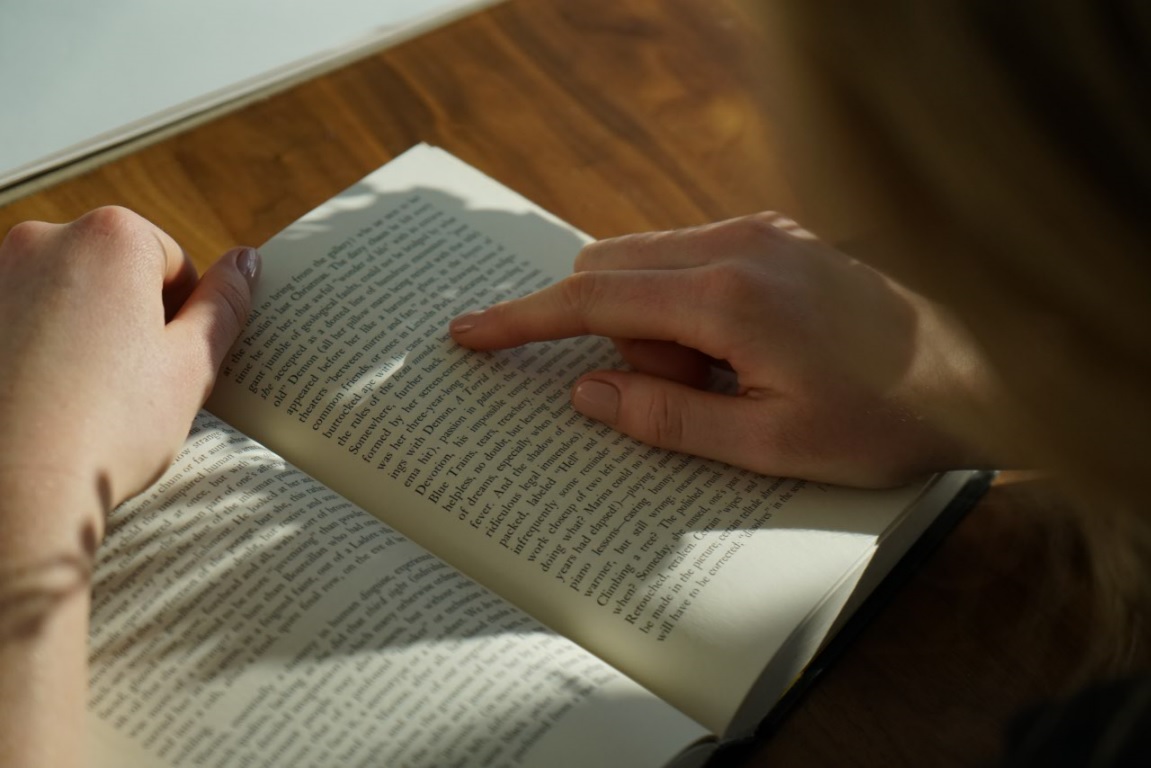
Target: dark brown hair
(996, 156)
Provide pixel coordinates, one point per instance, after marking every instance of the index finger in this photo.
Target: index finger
(630, 304)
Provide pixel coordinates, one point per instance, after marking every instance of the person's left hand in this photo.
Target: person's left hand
(109, 347)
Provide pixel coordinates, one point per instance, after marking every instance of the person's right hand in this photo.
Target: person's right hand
(838, 367)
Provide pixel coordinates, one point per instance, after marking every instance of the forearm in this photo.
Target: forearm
(49, 526)
(110, 346)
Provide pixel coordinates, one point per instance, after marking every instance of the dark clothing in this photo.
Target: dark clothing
(1107, 725)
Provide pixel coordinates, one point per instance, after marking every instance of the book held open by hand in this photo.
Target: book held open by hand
(379, 548)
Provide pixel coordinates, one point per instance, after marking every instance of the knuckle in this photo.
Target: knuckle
(581, 291)
(236, 301)
(729, 283)
(761, 230)
(616, 251)
(589, 255)
(26, 235)
(664, 422)
(109, 221)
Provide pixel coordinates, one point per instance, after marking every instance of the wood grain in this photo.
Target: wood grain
(622, 116)
(617, 116)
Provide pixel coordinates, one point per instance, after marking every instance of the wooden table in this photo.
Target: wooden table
(621, 116)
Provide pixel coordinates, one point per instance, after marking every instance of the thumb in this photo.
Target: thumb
(675, 416)
(210, 321)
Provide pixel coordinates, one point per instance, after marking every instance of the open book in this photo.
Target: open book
(383, 549)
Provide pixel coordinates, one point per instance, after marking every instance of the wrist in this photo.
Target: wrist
(50, 523)
(50, 513)
(955, 388)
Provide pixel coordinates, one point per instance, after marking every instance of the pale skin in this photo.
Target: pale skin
(110, 344)
(840, 370)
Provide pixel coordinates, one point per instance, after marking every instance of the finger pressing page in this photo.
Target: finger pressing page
(641, 304)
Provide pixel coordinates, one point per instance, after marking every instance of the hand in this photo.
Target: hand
(839, 369)
(109, 347)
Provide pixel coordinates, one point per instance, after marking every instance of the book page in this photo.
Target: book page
(244, 614)
(690, 575)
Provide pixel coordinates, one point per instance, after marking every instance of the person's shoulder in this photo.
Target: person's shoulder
(1107, 724)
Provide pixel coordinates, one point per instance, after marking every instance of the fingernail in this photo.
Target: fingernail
(465, 322)
(248, 262)
(597, 400)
